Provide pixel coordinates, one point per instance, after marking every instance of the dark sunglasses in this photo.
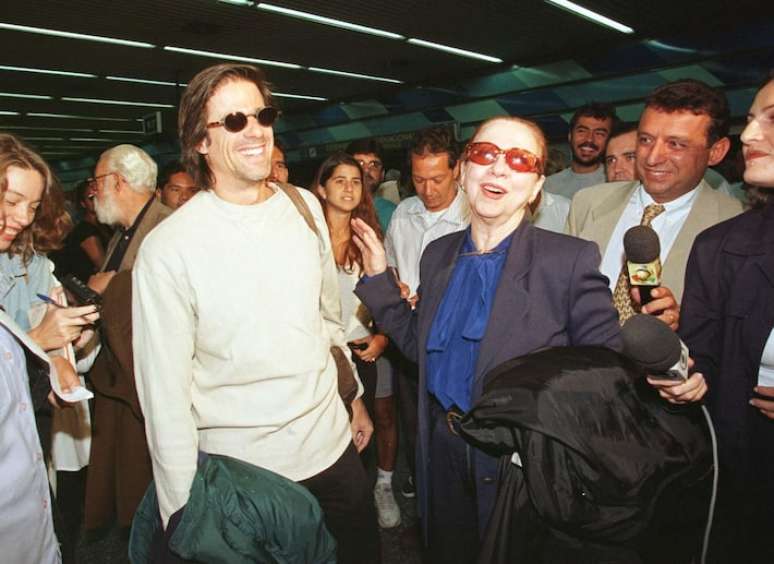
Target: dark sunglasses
(237, 121)
(518, 160)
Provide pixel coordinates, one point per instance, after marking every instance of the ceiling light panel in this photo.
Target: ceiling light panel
(97, 139)
(355, 75)
(71, 116)
(71, 35)
(47, 71)
(30, 128)
(455, 50)
(25, 96)
(214, 55)
(115, 102)
(119, 131)
(142, 81)
(587, 14)
(306, 16)
(298, 96)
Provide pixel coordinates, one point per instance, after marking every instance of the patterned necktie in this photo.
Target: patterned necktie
(621, 295)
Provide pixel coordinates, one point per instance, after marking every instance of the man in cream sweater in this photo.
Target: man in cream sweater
(234, 318)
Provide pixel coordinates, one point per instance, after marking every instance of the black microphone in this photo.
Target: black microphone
(642, 249)
(651, 344)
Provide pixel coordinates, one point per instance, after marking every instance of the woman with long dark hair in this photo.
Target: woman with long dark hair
(728, 324)
(343, 196)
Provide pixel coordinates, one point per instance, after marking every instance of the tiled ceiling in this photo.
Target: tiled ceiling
(552, 61)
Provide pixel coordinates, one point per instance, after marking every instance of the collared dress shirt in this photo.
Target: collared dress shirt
(667, 225)
(551, 213)
(413, 227)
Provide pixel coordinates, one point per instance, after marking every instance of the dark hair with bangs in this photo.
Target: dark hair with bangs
(434, 141)
(596, 110)
(51, 223)
(364, 210)
(366, 146)
(192, 116)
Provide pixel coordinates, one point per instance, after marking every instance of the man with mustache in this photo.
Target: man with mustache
(590, 128)
(682, 131)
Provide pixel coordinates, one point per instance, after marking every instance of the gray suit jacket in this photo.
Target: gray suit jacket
(595, 212)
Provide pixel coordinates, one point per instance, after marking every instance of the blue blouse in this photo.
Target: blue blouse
(461, 321)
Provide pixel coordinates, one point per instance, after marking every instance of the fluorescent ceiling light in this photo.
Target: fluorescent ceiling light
(97, 139)
(47, 71)
(119, 131)
(214, 55)
(591, 16)
(355, 75)
(115, 102)
(327, 21)
(141, 80)
(4, 113)
(43, 138)
(238, 2)
(29, 128)
(71, 116)
(27, 96)
(454, 50)
(70, 35)
(298, 96)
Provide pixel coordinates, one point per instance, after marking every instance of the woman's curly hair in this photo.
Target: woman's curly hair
(52, 223)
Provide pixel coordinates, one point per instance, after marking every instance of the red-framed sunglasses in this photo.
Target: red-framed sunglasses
(517, 159)
(237, 121)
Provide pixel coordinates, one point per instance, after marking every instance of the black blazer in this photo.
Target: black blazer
(727, 316)
(550, 293)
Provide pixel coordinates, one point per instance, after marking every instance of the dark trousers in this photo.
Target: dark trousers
(347, 503)
(407, 382)
(453, 508)
(348, 509)
(368, 375)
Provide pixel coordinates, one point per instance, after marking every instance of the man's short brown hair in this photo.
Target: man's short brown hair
(694, 96)
(434, 141)
(192, 117)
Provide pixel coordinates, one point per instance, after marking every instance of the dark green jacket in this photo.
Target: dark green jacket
(239, 513)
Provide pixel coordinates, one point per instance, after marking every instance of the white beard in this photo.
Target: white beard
(107, 209)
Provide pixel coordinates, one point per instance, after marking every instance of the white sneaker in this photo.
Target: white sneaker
(387, 510)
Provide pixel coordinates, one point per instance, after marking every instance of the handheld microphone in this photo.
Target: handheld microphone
(642, 249)
(651, 344)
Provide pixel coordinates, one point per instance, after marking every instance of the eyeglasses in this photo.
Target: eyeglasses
(95, 183)
(365, 165)
(237, 121)
(517, 159)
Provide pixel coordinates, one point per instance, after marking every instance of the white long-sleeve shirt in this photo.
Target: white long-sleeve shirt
(232, 339)
(413, 227)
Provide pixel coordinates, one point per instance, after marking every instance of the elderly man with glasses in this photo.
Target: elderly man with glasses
(119, 468)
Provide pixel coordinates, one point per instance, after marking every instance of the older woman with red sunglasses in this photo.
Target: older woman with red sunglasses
(498, 290)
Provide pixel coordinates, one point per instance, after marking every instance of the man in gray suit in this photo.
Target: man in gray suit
(682, 131)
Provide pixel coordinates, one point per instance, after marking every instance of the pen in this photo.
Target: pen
(48, 300)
